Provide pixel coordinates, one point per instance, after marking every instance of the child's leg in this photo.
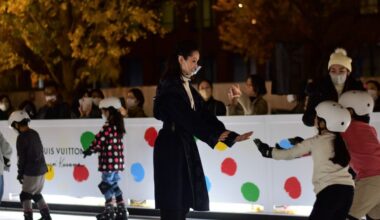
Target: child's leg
(332, 203)
(366, 197)
(26, 203)
(106, 189)
(35, 185)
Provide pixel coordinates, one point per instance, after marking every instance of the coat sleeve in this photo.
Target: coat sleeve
(172, 107)
(6, 149)
(297, 151)
(21, 156)
(100, 141)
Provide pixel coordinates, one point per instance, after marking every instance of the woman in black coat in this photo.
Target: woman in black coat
(178, 174)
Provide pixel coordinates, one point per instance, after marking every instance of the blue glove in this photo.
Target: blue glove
(264, 148)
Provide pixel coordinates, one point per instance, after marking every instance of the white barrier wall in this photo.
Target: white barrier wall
(233, 175)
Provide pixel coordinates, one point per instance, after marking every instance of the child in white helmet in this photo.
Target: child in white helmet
(108, 143)
(31, 165)
(364, 147)
(332, 182)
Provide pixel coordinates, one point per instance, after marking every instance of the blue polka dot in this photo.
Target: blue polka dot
(285, 144)
(208, 184)
(138, 172)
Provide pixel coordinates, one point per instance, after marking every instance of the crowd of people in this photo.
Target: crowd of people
(337, 106)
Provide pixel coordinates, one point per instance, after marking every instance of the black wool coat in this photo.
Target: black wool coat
(178, 174)
(324, 90)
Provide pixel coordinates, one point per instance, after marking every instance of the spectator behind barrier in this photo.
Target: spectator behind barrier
(373, 88)
(135, 103)
(214, 106)
(249, 102)
(55, 107)
(6, 107)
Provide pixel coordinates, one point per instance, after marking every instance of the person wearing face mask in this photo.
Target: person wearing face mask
(54, 108)
(249, 102)
(330, 87)
(179, 180)
(5, 107)
(135, 102)
(373, 88)
(214, 106)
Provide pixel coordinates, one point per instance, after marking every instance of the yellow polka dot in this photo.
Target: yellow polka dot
(220, 146)
(50, 174)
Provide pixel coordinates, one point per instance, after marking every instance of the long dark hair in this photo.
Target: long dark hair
(137, 93)
(115, 118)
(341, 154)
(173, 68)
(258, 84)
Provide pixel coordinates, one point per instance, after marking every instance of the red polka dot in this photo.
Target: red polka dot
(293, 187)
(229, 166)
(150, 136)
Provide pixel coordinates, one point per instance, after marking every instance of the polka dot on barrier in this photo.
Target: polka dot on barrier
(208, 184)
(229, 166)
(293, 187)
(150, 136)
(285, 144)
(137, 171)
(80, 173)
(220, 146)
(250, 192)
(86, 139)
(50, 174)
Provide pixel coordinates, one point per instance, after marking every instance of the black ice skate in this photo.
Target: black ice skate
(45, 214)
(108, 214)
(121, 212)
(28, 215)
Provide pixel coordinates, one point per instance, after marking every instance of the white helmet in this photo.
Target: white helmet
(17, 116)
(110, 102)
(360, 101)
(336, 116)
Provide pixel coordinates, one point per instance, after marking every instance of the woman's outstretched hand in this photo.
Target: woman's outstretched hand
(223, 136)
(244, 136)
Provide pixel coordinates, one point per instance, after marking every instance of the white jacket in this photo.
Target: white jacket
(325, 172)
(5, 151)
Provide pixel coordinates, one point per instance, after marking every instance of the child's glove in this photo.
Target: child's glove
(264, 148)
(20, 178)
(7, 164)
(87, 153)
(295, 140)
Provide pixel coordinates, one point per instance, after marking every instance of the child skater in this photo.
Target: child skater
(364, 148)
(5, 156)
(108, 143)
(31, 165)
(332, 182)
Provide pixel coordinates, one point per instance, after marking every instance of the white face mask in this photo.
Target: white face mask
(206, 94)
(338, 79)
(290, 98)
(104, 117)
(193, 73)
(49, 98)
(373, 93)
(3, 107)
(130, 102)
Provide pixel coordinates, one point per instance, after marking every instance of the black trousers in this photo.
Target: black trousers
(167, 214)
(333, 203)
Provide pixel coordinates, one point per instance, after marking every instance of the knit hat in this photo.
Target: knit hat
(340, 57)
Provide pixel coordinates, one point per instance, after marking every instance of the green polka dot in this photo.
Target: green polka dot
(86, 139)
(250, 191)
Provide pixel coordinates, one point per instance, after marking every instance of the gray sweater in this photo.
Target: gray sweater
(5, 151)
